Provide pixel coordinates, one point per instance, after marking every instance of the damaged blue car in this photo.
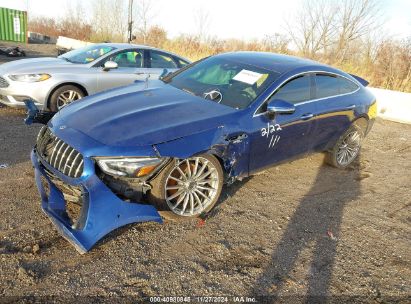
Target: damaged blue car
(125, 155)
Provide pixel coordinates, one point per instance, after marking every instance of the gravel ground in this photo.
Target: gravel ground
(298, 229)
(32, 50)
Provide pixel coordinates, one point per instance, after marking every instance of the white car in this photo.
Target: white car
(54, 82)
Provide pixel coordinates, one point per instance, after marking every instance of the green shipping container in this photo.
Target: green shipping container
(13, 25)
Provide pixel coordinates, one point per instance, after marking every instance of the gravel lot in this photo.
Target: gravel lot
(296, 229)
(32, 50)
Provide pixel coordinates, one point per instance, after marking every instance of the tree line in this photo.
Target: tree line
(347, 34)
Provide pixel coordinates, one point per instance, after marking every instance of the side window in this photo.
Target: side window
(295, 91)
(162, 61)
(129, 59)
(330, 85)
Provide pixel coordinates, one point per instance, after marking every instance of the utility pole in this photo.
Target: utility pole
(130, 20)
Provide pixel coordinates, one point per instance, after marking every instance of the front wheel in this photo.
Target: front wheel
(347, 148)
(64, 96)
(188, 187)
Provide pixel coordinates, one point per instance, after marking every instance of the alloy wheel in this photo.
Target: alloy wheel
(67, 97)
(349, 148)
(191, 186)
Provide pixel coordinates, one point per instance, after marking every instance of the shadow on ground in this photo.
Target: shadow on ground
(315, 226)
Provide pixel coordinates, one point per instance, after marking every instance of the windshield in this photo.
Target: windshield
(222, 80)
(87, 54)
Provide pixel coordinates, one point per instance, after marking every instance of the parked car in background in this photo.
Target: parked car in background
(55, 82)
(170, 145)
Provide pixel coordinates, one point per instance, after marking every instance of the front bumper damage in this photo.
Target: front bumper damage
(101, 211)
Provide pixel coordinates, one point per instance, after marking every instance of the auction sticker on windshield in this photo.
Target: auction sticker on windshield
(247, 76)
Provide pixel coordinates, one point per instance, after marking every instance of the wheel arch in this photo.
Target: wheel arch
(232, 156)
(223, 164)
(362, 122)
(81, 87)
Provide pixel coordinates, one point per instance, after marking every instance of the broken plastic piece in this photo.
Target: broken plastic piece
(101, 213)
(36, 116)
(331, 235)
(201, 223)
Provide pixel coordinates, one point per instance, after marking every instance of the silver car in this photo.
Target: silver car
(54, 82)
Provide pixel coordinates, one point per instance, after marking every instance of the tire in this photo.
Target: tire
(197, 195)
(65, 95)
(346, 149)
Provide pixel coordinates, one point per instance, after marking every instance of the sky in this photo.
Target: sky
(242, 19)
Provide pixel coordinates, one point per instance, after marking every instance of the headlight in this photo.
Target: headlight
(29, 77)
(130, 166)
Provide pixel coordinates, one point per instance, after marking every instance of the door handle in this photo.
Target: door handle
(307, 116)
(237, 138)
(351, 107)
(140, 73)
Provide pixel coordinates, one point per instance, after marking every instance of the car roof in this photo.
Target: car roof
(274, 62)
(123, 46)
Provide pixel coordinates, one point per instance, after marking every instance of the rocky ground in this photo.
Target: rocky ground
(296, 229)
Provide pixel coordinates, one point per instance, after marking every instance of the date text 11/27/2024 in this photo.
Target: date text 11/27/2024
(205, 299)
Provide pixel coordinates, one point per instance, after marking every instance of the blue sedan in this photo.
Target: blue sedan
(169, 145)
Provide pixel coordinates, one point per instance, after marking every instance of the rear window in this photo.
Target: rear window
(161, 60)
(330, 85)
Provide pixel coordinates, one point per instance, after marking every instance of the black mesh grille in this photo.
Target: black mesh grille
(74, 197)
(58, 154)
(3, 83)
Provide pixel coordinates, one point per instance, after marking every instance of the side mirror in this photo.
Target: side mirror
(109, 65)
(278, 106)
(164, 73)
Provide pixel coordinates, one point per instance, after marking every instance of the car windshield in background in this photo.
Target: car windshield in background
(87, 54)
(230, 83)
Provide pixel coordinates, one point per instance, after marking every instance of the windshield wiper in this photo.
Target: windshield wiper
(188, 91)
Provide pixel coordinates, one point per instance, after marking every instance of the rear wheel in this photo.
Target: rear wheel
(64, 96)
(188, 187)
(347, 148)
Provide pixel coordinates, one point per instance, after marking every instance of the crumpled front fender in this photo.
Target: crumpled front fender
(232, 147)
(101, 212)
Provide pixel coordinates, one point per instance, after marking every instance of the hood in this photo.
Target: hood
(135, 116)
(40, 65)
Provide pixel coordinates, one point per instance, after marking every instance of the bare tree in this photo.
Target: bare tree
(276, 43)
(313, 28)
(156, 36)
(356, 19)
(109, 20)
(144, 13)
(74, 23)
(202, 22)
(328, 28)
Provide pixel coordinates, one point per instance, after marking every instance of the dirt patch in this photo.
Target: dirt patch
(297, 228)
